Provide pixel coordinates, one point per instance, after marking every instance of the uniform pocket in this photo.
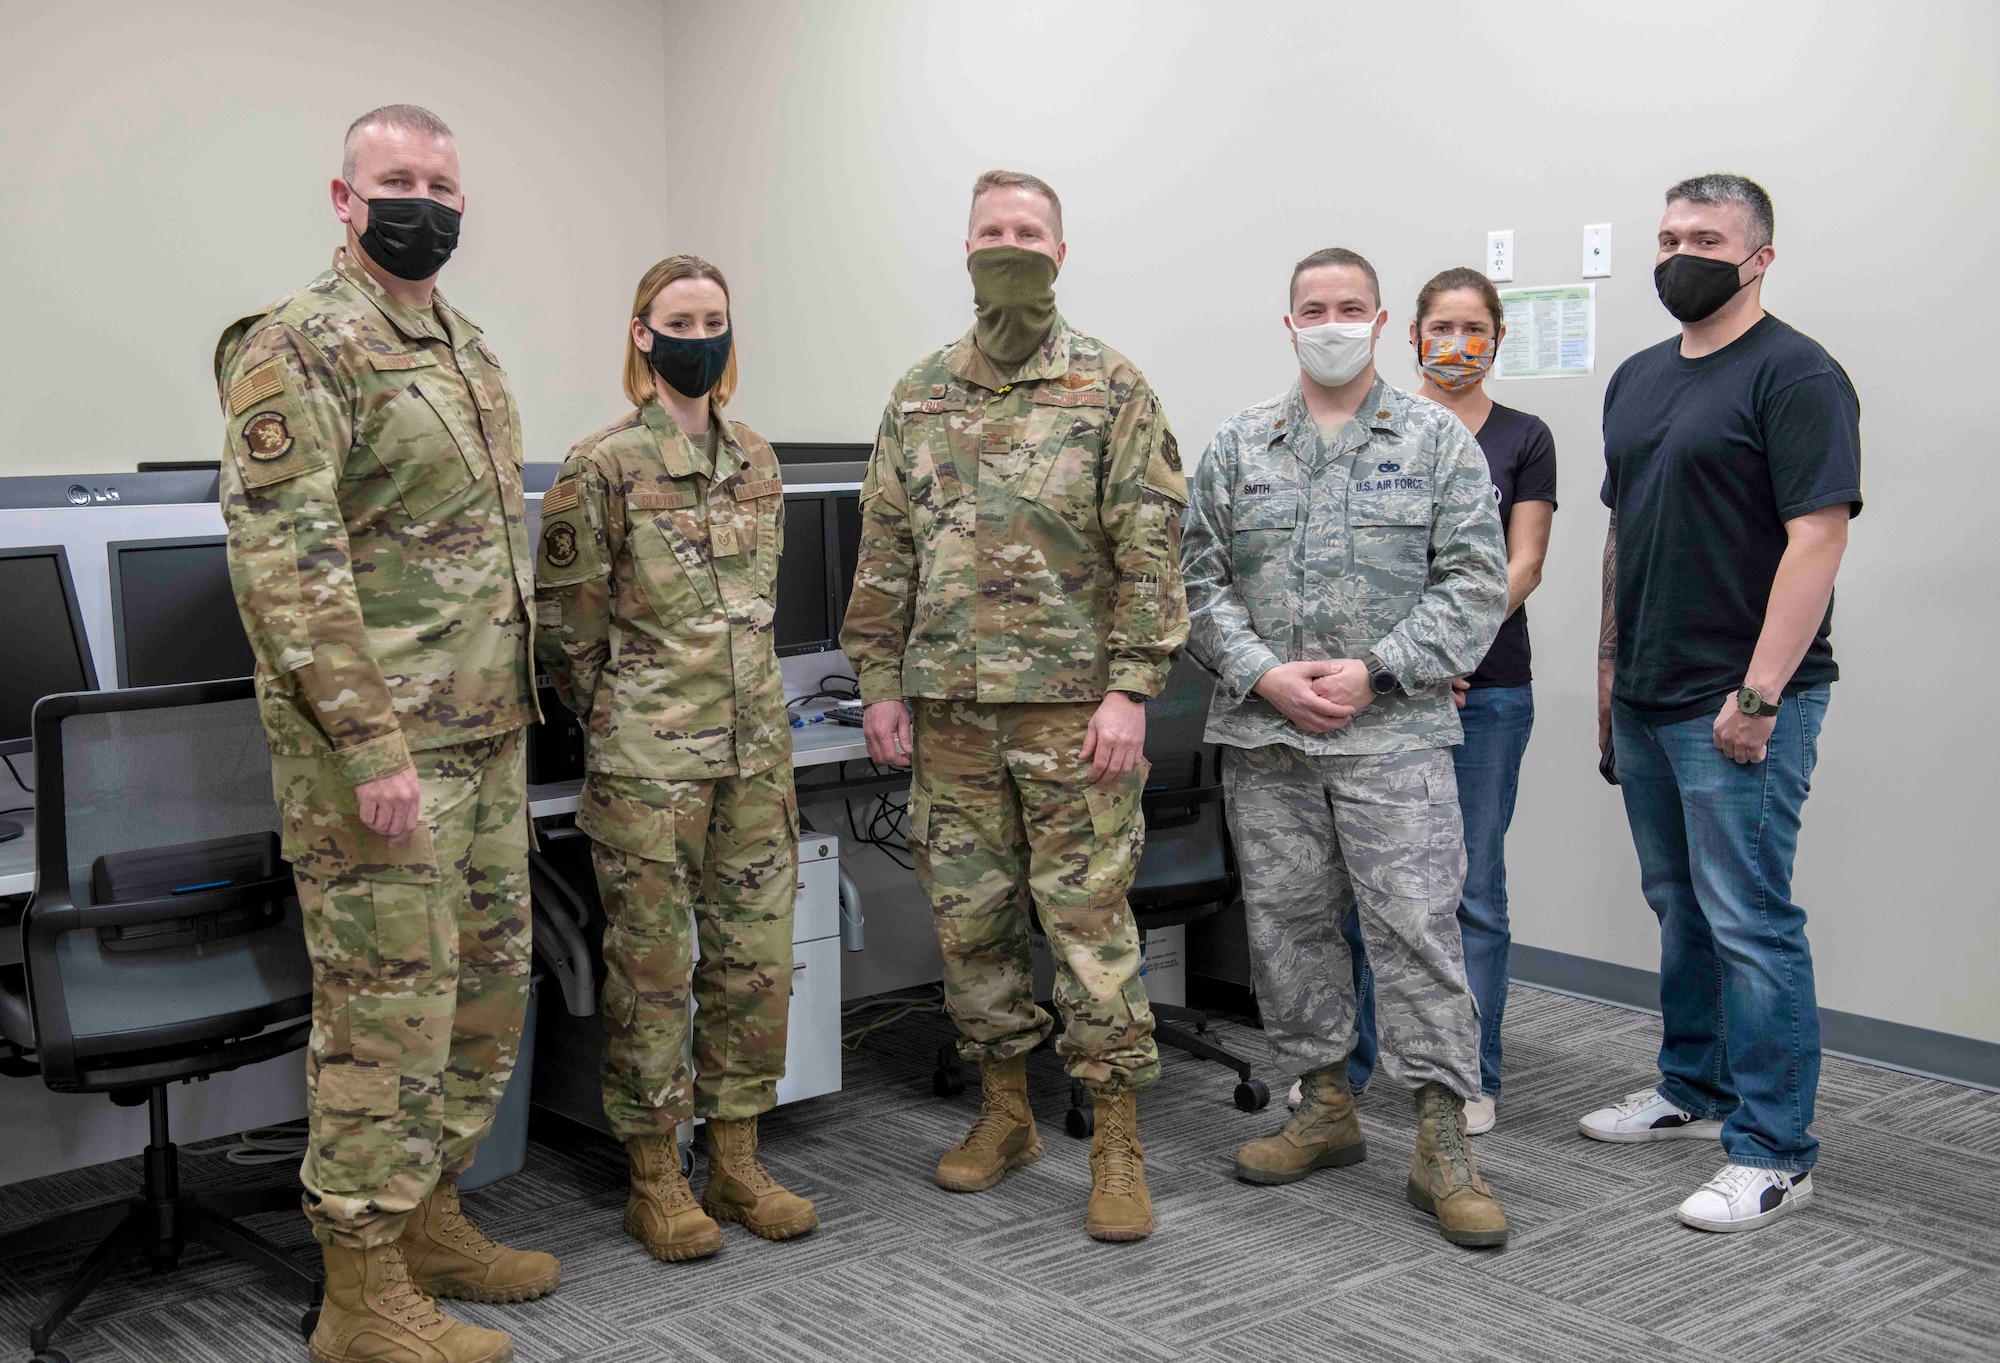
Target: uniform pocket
(403, 928)
(675, 590)
(918, 818)
(358, 1090)
(1392, 538)
(413, 438)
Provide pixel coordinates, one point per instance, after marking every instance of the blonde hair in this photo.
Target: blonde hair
(1016, 179)
(638, 370)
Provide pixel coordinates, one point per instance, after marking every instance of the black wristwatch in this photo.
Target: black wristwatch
(1751, 702)
(1134, 697)
(1379, 676)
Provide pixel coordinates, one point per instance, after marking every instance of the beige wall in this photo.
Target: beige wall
(1202, 148)
(164, 170)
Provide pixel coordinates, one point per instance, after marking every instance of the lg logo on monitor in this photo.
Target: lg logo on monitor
(79, 495)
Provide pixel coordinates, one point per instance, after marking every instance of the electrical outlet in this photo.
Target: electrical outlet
(1597, 250)
(1500, 255)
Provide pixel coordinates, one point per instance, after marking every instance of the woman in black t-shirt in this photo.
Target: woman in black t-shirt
(1456, 334)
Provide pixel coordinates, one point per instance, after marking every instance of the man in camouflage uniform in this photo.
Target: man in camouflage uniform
(1344, 563)
(1019, 584)
(656, 583)
(371, 484)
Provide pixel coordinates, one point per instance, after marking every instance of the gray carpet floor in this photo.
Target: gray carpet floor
(1897, 1261)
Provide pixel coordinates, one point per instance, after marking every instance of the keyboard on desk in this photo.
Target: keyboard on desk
(847, 712)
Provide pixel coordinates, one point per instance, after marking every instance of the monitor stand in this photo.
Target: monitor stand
(9, 830)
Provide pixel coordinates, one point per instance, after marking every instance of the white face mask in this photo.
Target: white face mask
(1336, 351)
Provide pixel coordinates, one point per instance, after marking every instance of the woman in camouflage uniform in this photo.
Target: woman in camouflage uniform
(655, 584)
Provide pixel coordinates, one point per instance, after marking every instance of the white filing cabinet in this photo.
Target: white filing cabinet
(812, 1044)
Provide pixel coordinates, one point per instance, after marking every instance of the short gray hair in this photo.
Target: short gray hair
(409, 118)
(1017, 179)
(1740, 190)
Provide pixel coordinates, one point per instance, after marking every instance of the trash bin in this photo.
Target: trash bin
(505, 1148)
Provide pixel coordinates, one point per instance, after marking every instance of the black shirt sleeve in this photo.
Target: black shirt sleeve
(1812, 437)
(1535, 474)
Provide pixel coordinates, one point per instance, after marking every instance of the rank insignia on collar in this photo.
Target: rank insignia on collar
(937, 390)
(267, 436)
(1074, 381)
(559, 544)
(1382, 415)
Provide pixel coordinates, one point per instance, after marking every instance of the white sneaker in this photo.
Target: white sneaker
(1480, 1115)
(1743, 1198)
(1646, 1116)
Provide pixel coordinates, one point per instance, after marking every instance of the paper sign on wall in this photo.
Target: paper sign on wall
(1551, 333)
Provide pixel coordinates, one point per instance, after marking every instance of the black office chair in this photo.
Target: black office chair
(1187, 873)
(163, 943)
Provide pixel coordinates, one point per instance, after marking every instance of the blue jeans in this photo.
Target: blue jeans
(1740, 1035)
(1497, 721)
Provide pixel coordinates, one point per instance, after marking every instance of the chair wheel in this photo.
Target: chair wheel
(687, 1161)
(1252, 1095)
(947, 1083)
(1080, 1122)
(50, 1356)
(309, 1322)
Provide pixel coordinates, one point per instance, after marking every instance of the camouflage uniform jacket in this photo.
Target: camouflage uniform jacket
(1386, 541)
(1020, 533)
(371, 482)
(656, 587)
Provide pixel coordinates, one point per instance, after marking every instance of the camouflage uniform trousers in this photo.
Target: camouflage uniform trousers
(676, 861)
(1380, 832)
(420, 956)
(1000, 816)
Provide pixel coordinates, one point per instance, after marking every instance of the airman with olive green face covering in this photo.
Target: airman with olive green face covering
(1019, 590)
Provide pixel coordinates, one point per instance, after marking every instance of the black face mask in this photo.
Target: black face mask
(1693, 287)
(411, 238)
(691, 365)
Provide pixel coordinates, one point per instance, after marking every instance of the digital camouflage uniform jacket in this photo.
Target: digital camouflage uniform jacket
(1020, 534)
(371, 482)
(656, 592)
(1386, 541)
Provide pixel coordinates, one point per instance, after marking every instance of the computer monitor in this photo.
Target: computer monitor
(173, 612)
(46, 650)
(807, 620)
(847, 517)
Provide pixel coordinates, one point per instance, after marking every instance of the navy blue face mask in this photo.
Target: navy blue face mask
(691, 365)
(410, 237)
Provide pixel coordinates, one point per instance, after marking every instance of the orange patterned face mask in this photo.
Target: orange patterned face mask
(1455, 362)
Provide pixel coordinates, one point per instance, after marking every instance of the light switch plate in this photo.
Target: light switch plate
(1597, 250)
(1500, 254)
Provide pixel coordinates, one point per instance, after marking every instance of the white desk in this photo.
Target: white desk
(812, 746)
(17, 858)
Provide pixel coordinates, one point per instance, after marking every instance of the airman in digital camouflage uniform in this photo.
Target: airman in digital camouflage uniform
(656, 585)
(371, 484)
(1344, 563)
(1019, 585)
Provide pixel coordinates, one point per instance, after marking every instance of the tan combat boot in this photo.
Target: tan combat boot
(741, 1189)
(1444, 1181)
(450, 1257)
(1121, 1207)
(1002, 1138)
(373, 1313)
(660, 1212)
(1324, 1133)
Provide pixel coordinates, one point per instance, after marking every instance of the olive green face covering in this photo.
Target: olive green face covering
(1014, 299)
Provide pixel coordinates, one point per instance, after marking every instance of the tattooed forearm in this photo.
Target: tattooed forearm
(1607, 624)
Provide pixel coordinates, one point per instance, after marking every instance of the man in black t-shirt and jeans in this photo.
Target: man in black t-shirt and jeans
(1732, 466)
